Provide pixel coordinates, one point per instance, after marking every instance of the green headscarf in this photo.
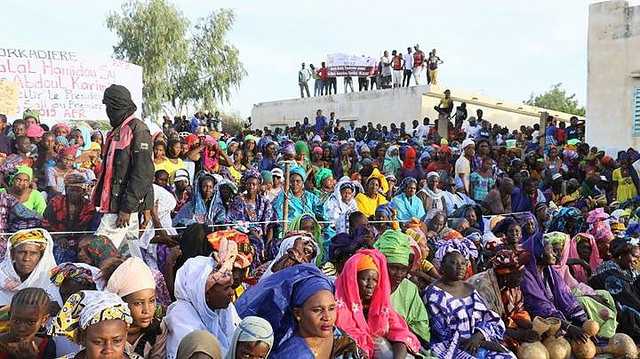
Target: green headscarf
(23, 169)
(296, 224)
(302, 148)
(267, 177)
(395, 246)
(321, 175)
(555, 238)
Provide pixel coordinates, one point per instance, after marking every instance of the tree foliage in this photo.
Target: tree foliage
(557, 99)
(182, 65)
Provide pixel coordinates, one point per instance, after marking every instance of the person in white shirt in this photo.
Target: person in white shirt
(408, 68)
(471, 128)
(463, 163)
(303, 78)
(423, 130)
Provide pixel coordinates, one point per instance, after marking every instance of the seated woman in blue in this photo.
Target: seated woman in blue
(299, 303)
(406, 202)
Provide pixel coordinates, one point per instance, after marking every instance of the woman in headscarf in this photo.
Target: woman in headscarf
(598, 305)
(20, 188)
(295, 248)
(231, 243)
(47, 155)
(432, 197)
(584, 256)
(252, 339)
(405, 295)
(344, 163)
(306, 222)
(250, 149)
(453, 241)
(409, 168)
(364, 308)
(406, 202)
(462, 326)
(302, 155)
(339, 205)
(392, 163)
(299, 200)
(618, 277)
(324, 184)
(145, 336)
(65, 166)
(545, 292)
(269, 153)
(199, 343)
(168, 157)
(27, 263)
(499, 286)
(300, 305)
(210, 202)
(368, 201)
(91, 318)
(203, 291)
(253, 206)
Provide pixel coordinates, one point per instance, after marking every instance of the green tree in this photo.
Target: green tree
(181, 65)
(152, 35)
(557, 99)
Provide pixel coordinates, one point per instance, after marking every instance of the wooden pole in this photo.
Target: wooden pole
(543, 128)
(285, 203)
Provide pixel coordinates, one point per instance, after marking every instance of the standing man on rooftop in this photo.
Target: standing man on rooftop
(418, 64)
(303, 78)
(408, 68)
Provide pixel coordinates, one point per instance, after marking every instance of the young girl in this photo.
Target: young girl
(28, 314)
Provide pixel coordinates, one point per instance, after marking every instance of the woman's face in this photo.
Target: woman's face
(252, 350)
(367, 283)
(238, 155)
(176, 150)
(471, 217)
(21, 182)
(142, 305)
(76, 137)
(158, 151)
(346, 194)
(105, 339)
(270, 149)
(548, 255)
(48, 142)
(584, 250)
(372, 187)
(410, 189)
(297, 184)
(67, 161)
(557, 251)
(251, 145)
(433, 182)
(454, 267)
(397, 273)
(630, 259)
(381, 152)
(61, 131)
(317, 316)
(219, 295)
(514, 234)
(307, 225)
(437, 223)
(207, 187)
(329, 183)
(252, 185)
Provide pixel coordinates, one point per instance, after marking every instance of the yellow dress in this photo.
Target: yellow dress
(368, 205)
(171, 167)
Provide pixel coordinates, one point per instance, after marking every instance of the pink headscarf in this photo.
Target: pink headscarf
(594, 258)
(210, 162)
(563, 269)
(382, 320)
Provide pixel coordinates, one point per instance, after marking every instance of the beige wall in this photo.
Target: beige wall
(613, 73)
(394, 105)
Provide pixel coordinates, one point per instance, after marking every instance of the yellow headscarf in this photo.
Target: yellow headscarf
(35, 235)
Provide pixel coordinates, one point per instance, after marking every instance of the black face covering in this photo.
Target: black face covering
(119, 104)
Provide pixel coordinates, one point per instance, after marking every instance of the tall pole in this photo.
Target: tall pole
(285, 203)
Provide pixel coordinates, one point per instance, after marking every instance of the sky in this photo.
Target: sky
(505, 49)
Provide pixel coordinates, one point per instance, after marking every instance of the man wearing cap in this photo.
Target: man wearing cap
(277, 176)
(124, 187)
(463, 163)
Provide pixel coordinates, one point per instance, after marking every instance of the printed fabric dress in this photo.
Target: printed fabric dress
(453, 319)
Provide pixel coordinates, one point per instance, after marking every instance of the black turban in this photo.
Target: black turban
(119, 104)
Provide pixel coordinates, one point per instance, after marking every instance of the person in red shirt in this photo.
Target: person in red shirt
(418, 64)
(561, 133)
(323, 72)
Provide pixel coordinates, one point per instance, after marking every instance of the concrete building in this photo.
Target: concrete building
(394, 106)
(613, 85)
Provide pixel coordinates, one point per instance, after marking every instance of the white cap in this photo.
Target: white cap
(277, 172)
(466, 143)
(181, 175)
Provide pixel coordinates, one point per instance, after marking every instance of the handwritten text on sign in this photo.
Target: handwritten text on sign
(61, 85)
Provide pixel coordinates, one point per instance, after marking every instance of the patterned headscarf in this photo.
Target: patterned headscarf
(28, 236)
(86, 308)
(231, 245)
(506, 261)
(72, 272)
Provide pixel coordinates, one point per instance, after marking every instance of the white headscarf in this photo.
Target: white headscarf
(251, 329)
(335, 210)
(190, 310)
(286, 244)
(10, 282)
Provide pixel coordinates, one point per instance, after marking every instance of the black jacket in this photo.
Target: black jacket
(133, 172)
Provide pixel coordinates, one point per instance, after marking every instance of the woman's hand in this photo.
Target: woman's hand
(472, 344)
(577, 334)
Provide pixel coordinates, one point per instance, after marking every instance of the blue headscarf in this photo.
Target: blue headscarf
(274, 298)
(298, 171)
